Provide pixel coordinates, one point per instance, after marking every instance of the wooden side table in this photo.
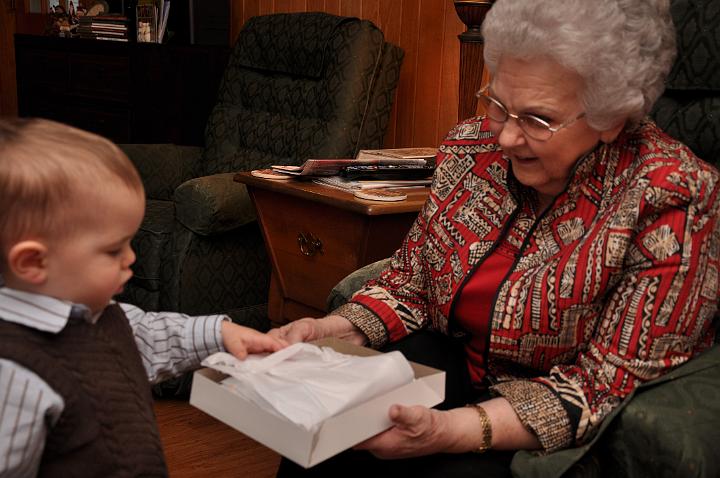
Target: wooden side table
(316, 235)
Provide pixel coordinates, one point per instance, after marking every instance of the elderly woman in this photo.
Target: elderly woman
(568, 249)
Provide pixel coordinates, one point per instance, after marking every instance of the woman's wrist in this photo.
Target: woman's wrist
(464, 431)
(341, 328)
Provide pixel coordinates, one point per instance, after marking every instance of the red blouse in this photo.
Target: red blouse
(474, 305)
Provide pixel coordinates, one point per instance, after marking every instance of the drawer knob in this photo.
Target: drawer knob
(309, 244)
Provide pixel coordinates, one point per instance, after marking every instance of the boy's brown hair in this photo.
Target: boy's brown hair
(47, 170)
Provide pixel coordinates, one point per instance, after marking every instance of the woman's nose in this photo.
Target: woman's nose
(511, 135)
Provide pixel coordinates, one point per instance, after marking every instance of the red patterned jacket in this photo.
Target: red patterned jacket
(616, 283)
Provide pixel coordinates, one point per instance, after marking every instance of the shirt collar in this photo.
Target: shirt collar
(40, 312)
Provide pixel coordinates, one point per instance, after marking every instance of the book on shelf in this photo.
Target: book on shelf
(398, 153)
(332, 167)
(353, 185)
(111, 38)
(104, 27)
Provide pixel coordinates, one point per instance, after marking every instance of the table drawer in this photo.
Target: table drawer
(313, 246)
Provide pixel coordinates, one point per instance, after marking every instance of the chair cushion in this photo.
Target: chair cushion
(294, 44)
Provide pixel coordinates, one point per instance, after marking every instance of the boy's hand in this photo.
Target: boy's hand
(241, 341)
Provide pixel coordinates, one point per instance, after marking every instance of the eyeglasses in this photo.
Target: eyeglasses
(534, 127)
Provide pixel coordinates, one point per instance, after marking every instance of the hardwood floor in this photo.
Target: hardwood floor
(197, 445)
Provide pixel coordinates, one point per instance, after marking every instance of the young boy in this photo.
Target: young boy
(74, 366)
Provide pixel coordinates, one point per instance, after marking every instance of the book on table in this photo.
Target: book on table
(398, 163)
(332, 167)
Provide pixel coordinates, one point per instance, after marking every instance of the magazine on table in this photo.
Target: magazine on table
(398, 153)
(350, 185)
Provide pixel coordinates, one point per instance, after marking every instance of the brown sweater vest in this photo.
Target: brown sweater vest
(108, 427)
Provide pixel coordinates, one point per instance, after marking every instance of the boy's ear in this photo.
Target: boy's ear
(27, 261)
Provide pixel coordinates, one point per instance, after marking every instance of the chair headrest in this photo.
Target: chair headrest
(291, 43)
(698, 42)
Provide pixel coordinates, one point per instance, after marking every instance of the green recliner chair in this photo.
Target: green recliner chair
(297, 86)
(669, 427)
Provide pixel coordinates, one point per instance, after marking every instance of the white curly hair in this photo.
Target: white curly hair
(622, 49)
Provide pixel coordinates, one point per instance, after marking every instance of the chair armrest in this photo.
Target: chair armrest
(344, 289)
(665, 427)
(163, 167)
(213, 204)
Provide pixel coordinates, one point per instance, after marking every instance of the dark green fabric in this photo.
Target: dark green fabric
(216, 273)
(296, 86)
(163, 167)
(213, 204)
(380, 106)
(266, 118)
(690, 107)
(344, 289)
(694, 119)
(669, 427)
(299, 50)
(698, 41)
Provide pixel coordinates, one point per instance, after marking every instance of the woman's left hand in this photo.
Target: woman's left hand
(421, 431)
(417, 431)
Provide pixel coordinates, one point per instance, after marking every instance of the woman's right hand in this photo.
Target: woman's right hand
(308, 329)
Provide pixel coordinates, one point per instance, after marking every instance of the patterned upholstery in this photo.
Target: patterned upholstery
(297, 86)
(266, 117)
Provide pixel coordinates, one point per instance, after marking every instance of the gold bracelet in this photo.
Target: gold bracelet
(486, 429)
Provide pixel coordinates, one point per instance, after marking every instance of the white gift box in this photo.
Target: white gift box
(336, 434)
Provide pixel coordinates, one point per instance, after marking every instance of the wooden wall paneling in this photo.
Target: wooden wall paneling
(332, 6)
(241, 11)
(370, 10)
(406, 92)
(8, 88)
(390, 23)
(428, 70)
(351, 8)
(449, 82)
(287, 6)
(237, 13)
(267, 7)
(315, 5)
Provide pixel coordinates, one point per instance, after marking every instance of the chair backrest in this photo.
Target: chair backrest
(689, 110)
(299, 86)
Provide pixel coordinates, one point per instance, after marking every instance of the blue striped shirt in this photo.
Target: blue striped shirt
(169, 343)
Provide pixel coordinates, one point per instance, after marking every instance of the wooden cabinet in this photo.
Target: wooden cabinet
(8, 98)
(316, 235)
(128, 92)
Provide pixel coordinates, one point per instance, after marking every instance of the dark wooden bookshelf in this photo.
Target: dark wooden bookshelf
(129, 92)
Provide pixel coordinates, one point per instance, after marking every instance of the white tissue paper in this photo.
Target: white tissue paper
(307, 384)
